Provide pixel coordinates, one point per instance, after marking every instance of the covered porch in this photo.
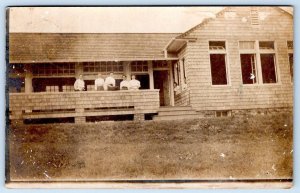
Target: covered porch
(44, 67)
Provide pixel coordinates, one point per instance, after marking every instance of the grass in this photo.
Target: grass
(257, 147)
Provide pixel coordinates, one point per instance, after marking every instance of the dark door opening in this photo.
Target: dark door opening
(144, 80)
(161, 82)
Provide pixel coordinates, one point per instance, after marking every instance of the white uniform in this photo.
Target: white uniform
(134, 84)
(109, 82)
(79, 85)
(125, 83)
(99, 82)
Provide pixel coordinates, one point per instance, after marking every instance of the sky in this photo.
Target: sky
(107, 19)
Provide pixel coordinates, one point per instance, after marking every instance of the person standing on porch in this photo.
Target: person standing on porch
(125, 84)
(134, 84)
(99, 83)
(79, 84)
(110, 82)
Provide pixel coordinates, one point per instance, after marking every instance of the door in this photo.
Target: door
(161, 82)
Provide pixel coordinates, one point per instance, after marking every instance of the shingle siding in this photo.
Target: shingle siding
(277, 27)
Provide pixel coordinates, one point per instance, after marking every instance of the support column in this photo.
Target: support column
(78, 69)
(127, 69)
(172, 100)
(28, 78)
(150, 71)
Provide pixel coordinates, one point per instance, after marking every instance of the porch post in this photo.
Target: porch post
(127, 69)
(28, 78)
(150, 71)
(171, 86)
(78, 69)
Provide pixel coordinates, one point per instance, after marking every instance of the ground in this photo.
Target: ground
(258, 147)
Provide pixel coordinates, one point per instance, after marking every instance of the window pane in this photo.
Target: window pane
(268, 68)
(290, 45)
(218, 69)
(291, 61)
(217, 45)
(268, 45)
(248, 68)
(246, 45)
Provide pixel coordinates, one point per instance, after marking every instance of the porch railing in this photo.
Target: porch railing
(82, 104)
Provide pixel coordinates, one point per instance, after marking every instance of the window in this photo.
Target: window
(262, 55)
(107, 66)
(268, 68)
(160, 64)
(218, 69)
(139, 66)
(290, 46)
(248, 65)
(291, 61)
(217, 51)
(16, 69)
(267, 60)
(216, 45)
(266, 45)
(54, 69)
(183, 69)
(247, 45)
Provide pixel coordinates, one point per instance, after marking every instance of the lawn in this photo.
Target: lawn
(257, 147)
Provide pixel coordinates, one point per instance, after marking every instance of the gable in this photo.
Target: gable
(243, 17)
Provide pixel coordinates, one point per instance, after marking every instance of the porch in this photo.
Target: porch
(81, 105)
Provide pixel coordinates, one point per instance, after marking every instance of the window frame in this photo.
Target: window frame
(257, 52)
(290, 51)
(227, 67)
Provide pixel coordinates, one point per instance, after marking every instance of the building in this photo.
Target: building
(239, 62)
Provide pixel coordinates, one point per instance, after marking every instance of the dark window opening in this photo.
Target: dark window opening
(16, 69)
(248, 68)
(217, 45)
(110, 118)
(223, 113)
(149, 116)
(218, 69)
(52, 84)
(144, 80)
(291, 61)
(16, 85)
(49, 120)
(268, 68)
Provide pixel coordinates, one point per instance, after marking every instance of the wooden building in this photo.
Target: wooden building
(239, 62)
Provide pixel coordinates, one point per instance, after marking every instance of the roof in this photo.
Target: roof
(67, 47)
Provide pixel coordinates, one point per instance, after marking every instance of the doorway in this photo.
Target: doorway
(161, 82)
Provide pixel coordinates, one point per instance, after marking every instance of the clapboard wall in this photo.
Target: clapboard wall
(276, 25)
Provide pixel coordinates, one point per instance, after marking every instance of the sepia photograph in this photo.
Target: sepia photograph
(149, 97)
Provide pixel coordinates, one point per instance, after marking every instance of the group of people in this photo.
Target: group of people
(109, 83)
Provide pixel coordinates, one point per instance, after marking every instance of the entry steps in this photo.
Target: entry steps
(176, 113)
